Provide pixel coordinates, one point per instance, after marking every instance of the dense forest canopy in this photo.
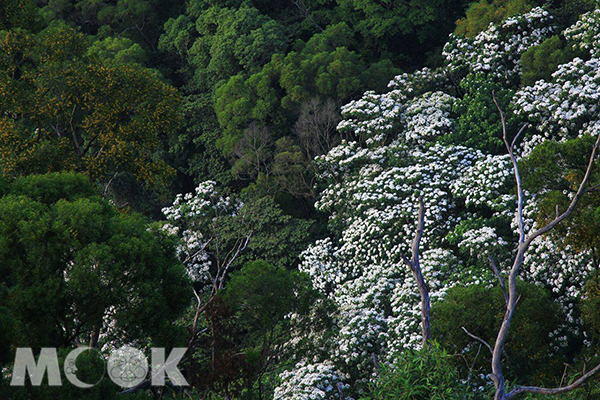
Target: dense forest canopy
(317, 199)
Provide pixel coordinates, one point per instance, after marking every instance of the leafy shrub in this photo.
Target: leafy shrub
(480, 310)
(426, 374)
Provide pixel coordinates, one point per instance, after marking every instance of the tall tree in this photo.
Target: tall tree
(76, 270)
(63, 110)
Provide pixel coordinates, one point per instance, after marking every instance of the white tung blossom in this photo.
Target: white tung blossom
(187, 220)
(497, 50)
(564, 108)
(370, 185)
(585, 33)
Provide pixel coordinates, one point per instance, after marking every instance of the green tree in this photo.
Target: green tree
(250, 322)
(139, 20)
(118, 50)
(73, 267)
(478, 122)
(480, 14)
(274, 96)
(400, 26)
(222, 42)
(18, 14)
(65, 111)
(556, 169)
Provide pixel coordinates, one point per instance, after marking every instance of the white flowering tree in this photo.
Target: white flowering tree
(397, 153)
(497, 51)
(373, 194)
(526, 237)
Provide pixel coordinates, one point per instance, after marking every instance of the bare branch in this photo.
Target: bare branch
(407, 261)
(514, 141)
(415, 267)
(419, 233)
(500, 278)
(509, 148)
(239, 250)
(480, 340)
(192, 256)
(539, 390)
(107, 187)
(513, 296)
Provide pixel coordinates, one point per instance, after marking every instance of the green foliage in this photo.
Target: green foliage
(392, 21)
(68, 258)
(8, 330)
(479, 124)
(51, 188)
(65, 111)
(556, 165)
(423, 374)
(250, 322)
(480, 310)
(118, 50)
(480, 14)
(193, 149)
(227, 41)
(539, 62)
(139, 20)
(556, 169)
(178, 36)
(278, 238)
(262, 295)
(591, 304)
(566, 12)
(318, 68)
(18, 14)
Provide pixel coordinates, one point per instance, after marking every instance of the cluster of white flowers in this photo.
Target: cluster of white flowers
(341, 159)
(564, 108)
(187, 220)
(373, 205)
(316, 381)
(585, 33)
(428, 117)
(372, 118)
(564, 271)
(486, 183)
(370, 186)
(373, 113)
(482, 241)
(497, 50)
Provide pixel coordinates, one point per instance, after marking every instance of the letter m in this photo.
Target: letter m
(25, 363)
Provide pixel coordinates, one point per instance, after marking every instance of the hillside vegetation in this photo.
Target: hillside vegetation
(319, 199)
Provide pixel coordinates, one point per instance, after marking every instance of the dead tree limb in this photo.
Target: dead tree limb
(552, 391)
(480, 340)
(500, 278)
(523, 245)
(415, 266)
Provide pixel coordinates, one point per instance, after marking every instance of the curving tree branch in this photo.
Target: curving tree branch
(415, 266)
(524, 243)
